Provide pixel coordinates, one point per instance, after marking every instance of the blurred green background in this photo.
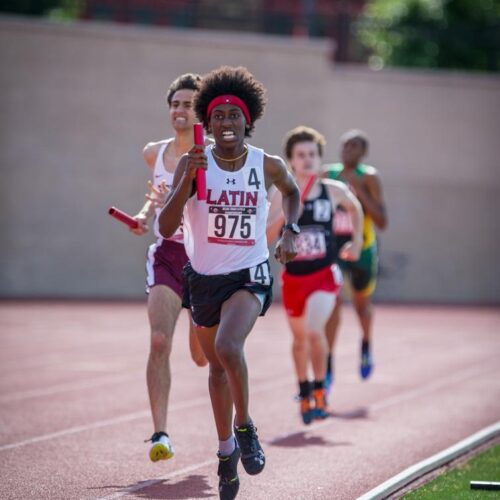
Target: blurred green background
(449, 34)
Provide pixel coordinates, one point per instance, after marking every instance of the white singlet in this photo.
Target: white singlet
(160, 174)
(227, 232)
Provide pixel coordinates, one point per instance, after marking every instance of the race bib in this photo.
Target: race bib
(311, 243)
(232, 225)
(321, 210)
(342, 223)
(261, 274)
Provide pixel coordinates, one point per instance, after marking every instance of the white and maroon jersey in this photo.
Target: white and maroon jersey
(227, 232)
(160, 174)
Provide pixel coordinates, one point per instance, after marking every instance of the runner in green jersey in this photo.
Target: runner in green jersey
(364, 181)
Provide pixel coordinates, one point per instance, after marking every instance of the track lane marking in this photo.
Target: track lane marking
(386, 403)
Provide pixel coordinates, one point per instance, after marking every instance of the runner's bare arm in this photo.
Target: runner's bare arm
(182, 188)
(372, 199)
(342, 195)
(149, 154)
(276, 219)
(276, 173)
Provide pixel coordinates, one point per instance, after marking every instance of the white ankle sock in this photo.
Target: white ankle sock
(227, 447)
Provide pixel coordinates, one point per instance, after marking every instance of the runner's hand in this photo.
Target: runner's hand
(286, 249)
(350, 251)
(196, 159)
(157, 194)
(143, 227)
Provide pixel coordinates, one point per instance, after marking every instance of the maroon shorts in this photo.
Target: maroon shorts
(164, 265)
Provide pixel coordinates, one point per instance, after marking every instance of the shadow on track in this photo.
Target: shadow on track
(193, 486)
(301, 439)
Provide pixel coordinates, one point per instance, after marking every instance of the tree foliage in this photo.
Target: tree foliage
(453, 34)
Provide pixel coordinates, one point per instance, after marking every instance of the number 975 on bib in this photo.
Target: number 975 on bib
(232, 225)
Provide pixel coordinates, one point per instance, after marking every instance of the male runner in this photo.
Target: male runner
(165, 261)
(364, 181)
(312, 281)
(228, 280)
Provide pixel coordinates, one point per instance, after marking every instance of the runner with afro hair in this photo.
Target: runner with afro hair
(228, 283)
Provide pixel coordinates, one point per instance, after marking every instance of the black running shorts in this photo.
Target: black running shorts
(204, 294)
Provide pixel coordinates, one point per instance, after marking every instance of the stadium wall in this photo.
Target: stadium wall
(79, 101)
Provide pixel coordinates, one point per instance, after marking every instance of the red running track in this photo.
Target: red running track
(74, 408)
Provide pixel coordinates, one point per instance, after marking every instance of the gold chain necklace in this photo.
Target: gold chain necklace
(229, 159)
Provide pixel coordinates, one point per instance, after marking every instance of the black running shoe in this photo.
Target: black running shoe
(252, 455)
(229, 482)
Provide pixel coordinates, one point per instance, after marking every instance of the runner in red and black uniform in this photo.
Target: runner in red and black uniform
(311, 282)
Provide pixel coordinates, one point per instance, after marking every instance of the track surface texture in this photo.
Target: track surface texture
(74, 410)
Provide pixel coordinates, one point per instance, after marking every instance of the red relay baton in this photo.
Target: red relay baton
(307, 188)
(123, 217)
(201, 181)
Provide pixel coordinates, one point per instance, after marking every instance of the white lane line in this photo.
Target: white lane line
(66, 387)
(395, 400)
(74, 430)
(392, 401)
(434, 386)
(417, 470)
(203, 400)
(81, 384)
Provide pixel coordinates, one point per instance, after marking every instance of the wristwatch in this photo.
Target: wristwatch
(293, 227)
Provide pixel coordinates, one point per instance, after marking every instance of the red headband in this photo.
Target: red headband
(229, 99)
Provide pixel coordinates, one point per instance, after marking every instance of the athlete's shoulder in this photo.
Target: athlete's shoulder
(334, 187)
(274, 168)
(331, 170)
(151, 150)
(333, 166)
(368, 170)
(272, 158)
(256, 150)
(334, 184)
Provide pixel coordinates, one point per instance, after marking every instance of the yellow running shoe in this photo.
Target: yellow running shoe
(161, 447)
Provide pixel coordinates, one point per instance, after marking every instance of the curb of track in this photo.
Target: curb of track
(419, 469)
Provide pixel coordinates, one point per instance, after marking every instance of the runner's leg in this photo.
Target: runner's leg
(164, 306)
(332, 325)
(318, 309)
(363, 306)
(220, 395)
(195, 349)
(300, 346)
(238, 316)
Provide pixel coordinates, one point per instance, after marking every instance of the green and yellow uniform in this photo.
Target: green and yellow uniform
(362, 273)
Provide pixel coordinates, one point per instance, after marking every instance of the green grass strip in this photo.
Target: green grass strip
(454, 484)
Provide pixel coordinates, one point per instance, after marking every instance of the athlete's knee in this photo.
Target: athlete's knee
(228, 351)
(363, 308)
(299, 341)
(317, 337)
(217, 374)
(161, 343)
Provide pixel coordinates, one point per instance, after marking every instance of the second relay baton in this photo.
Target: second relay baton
(123, 217)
